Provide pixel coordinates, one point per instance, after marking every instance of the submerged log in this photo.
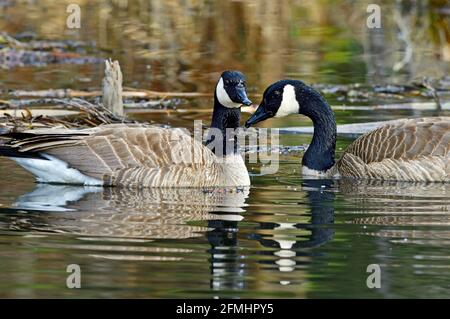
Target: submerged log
(349, 130)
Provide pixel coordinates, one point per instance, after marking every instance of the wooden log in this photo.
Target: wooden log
(112, 88)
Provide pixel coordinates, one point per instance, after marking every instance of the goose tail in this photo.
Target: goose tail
(7, 151)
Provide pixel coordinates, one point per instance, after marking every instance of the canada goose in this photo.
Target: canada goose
(407, 150)
(138, 156)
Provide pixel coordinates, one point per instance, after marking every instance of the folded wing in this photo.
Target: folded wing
(117, 154)
(411, 149)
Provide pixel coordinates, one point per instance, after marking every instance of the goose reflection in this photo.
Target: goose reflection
(283, 247)
(292, 240)
(121, 214)
(401, 206)
(228, 266)
(149, 213)
(226, 262)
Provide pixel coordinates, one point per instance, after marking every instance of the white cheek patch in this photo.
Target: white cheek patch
(223, 97)
(289, 103)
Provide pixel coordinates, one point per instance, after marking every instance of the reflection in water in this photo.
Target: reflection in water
(129, 213)
(249, 247)
(178, 45)
(306, 235)
(228, 267)
(403, 205)
(227, 263)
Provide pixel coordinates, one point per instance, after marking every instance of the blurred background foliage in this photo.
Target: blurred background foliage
(184, 44)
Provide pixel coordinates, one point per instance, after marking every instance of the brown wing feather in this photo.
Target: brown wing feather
(150, 156)
(411, 149)
(405, 139)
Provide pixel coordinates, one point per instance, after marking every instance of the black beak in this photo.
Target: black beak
(258, 116)
(242, 96)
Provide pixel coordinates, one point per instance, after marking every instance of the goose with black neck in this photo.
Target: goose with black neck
(137, 155)
(229, 96)
(405, 150)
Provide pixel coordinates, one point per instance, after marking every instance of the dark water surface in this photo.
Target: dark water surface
(285, 237)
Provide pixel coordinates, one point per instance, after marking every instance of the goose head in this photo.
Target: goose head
(280, 99)
(231, 90)
(287, 97)
(229, 95)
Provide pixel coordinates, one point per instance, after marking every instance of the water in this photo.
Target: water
(284, 237)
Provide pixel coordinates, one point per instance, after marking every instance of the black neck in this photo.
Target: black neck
(320, 153)
(224, 118)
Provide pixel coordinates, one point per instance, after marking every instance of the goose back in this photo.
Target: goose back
(409, 150)
(136, 156)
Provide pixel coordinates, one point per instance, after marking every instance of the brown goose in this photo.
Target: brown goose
(407, 150)
(139, 156)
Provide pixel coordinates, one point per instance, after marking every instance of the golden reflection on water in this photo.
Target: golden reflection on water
(184, 45)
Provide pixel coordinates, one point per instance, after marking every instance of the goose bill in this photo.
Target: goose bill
(242, 97)
(260, 115)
